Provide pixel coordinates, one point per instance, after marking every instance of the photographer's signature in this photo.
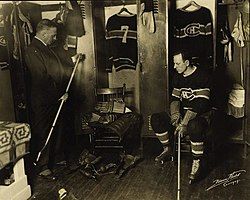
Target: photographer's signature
(232, 179)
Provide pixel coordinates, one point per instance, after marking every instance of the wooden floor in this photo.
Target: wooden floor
(148, 181)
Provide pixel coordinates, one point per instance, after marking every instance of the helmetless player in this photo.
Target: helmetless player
(189, 111)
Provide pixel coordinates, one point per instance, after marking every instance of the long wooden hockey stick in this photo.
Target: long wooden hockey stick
(179, 167)
(59, 110)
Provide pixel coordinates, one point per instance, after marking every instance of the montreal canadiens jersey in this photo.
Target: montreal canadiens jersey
(193, 33)
(121, 41)
(193, 91)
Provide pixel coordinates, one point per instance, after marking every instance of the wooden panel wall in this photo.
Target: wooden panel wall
(85, 79)
(99, 37)
(153, 60)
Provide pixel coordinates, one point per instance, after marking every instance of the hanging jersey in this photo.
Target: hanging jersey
(121, 38)
(193, 33)
(3, 45)
(193, 91)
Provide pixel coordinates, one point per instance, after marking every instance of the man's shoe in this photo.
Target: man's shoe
(165, 155)
(47, 174)
(195, 173)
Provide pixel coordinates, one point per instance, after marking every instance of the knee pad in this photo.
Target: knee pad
(160, 122)
(197, 127)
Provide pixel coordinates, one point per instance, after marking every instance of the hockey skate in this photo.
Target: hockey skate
(195, 173)
(165, 155)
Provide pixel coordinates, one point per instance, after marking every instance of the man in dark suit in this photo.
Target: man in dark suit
(47, 85)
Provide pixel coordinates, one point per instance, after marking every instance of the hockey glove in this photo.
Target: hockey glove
(175, 113)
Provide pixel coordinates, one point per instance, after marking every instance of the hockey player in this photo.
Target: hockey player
(189, 111)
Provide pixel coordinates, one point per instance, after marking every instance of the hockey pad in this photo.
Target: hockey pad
(160, 122)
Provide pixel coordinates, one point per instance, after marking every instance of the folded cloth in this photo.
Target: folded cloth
(236, 101)
(237, 96)
(235, 111)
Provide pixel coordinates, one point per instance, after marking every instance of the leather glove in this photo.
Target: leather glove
(175, 113)
(181, 129)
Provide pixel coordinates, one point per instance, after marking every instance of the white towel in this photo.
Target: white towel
(236, 101)
(237, 33)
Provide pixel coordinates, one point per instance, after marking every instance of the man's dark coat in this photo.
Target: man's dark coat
(46, 86)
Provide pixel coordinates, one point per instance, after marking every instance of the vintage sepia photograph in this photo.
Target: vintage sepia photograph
(125, 100)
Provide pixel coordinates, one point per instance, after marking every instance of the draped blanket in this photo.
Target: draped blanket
(14, 141)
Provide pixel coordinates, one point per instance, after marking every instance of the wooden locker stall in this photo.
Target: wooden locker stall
(238, 68)
(149, 81)
(153, 60)
(156, 63)
(102, 10)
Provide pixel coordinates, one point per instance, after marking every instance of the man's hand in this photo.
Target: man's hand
(75, 57)
(175, 119)
(181, 129)
(64, 97)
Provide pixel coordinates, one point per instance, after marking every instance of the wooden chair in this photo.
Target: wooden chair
(116, 130)
(110, 94)
(110, 104)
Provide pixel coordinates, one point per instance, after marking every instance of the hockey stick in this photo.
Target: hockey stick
(179, 167)
(59, 109)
